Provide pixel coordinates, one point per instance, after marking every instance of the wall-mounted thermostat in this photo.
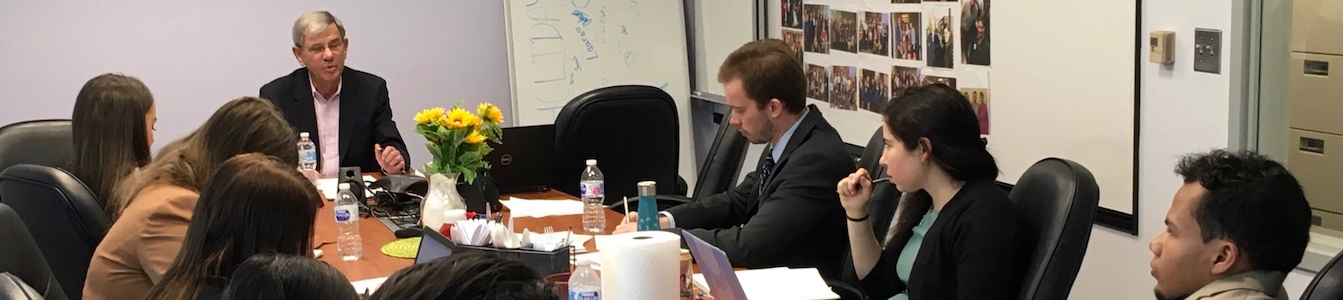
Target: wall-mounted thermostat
(1161, 47)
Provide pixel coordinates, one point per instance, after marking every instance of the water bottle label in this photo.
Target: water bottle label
(308, 155)
(342, 215)
(591, 189)
(575, 295)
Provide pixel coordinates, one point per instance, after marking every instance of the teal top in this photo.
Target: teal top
(911, 251)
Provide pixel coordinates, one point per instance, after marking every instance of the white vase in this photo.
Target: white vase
(443, 196)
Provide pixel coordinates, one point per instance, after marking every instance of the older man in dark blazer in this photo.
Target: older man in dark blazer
(787, 214)
(345, 111)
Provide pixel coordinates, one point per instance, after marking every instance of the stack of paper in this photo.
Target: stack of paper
(542, 208)
(368, 286)
(779, 284)
(329, 187)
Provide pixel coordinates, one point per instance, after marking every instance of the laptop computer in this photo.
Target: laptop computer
(523, 162)
(717, 269)
(433, 246)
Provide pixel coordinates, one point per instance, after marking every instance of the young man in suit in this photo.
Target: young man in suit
(345, 111)
(1236, 227)
(787, 213)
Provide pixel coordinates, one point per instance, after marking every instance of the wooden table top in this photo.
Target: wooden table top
(374, 264)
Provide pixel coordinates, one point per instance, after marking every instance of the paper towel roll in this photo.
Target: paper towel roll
(641, 266)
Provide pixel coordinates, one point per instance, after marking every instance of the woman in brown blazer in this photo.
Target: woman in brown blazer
(148, 233)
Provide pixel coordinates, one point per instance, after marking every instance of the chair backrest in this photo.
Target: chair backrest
(13, 288)
(871, 159)
(1328, 284)
(723, 162)
(20, 256)
(40, 142)
(63, 216)
(1057, 198)
(632, 132)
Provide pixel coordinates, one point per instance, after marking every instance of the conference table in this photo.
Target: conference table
(374, 235)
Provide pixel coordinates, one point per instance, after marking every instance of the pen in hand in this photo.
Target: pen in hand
(874, 182)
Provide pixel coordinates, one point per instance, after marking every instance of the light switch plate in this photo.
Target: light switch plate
(1208, 50)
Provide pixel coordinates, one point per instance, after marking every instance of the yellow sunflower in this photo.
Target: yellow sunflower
(473, 120)
(457, 118)
(490, 113)
(428, 115)
(475, 137)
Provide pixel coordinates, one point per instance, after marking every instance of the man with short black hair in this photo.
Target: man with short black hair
(1235, 229)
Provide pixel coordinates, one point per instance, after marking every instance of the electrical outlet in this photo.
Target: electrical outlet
(1208, 50)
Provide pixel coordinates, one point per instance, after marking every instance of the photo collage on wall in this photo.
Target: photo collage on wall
(859, 54)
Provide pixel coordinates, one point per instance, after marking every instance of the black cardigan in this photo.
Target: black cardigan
(976, 249)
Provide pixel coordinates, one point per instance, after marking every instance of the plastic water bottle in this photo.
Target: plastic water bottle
(593, 191)
(584, 283)
(307, 155)
(348, 244)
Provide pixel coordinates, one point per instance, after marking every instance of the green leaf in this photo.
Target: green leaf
(469, 175)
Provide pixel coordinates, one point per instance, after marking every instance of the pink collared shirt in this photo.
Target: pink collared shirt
(328, 129)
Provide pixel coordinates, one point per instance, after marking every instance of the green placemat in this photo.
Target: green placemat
(402, 248)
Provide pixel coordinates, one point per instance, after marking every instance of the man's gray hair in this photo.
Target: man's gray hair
(314, 22)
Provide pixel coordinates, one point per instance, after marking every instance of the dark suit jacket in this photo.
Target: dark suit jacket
(797, 222)
(976, 249)
(365, 115)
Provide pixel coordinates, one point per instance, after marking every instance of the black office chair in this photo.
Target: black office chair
(63, 216)
(632, 132)
(881, 208)
(21, 257)
(1328, 284)
(718, 173)
(1057, 198)
(39, 142)
(13, 288)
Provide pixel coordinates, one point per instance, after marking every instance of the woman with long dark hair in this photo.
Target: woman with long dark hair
(152, 221)
(253, 205)
(112, 128)
(274, 276)
(954, 234)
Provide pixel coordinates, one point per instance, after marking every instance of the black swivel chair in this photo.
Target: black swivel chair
(718, 173)
(13, 288)
(632, 132)
(40, 142)
(1328, 284)
(20, 256)
(1057, 198)
(880, 207)
(63, 216)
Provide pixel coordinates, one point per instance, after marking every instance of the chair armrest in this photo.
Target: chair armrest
(844, 290)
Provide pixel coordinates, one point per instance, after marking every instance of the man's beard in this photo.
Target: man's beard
(766, 133)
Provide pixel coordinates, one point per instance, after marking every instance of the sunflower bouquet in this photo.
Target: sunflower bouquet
(457, 138)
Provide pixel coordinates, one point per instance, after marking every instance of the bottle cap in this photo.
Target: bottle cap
(592, 162)
(648, 188)
(303, 135)
(344, 185)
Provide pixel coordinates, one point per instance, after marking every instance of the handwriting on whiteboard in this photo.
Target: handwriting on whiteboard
(548, 53)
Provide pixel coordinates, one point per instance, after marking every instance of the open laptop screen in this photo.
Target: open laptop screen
(432, 246)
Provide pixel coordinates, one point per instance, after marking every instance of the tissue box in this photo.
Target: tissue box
(544, 262)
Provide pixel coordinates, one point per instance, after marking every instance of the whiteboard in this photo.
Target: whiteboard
(720, 28)
(1057, 91)
(559, 49)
